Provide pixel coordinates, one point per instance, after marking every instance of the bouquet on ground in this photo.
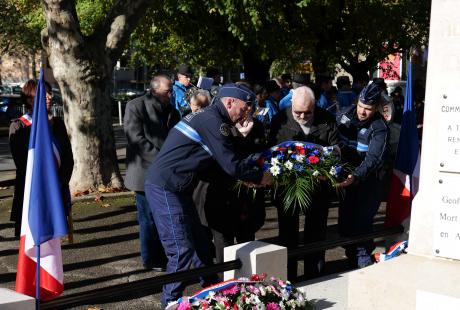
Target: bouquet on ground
(255, 293)
(298, 169)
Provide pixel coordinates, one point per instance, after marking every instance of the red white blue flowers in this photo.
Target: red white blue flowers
(298, 169)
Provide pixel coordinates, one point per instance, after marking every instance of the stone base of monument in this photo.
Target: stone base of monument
(10, 300)
(406, 282)
(257, 257)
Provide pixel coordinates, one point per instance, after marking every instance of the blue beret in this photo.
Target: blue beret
(237, 91)
(371, 94)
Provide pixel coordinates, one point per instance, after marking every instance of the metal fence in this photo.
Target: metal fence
(17, 111)
(151, 285)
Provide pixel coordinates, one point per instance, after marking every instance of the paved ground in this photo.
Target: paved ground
(106, 247)
(106, 250)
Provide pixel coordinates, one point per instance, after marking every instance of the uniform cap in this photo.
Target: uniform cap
(185, 69)
(237, 91)
(371, 94)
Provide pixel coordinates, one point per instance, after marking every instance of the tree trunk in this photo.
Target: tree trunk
(83, 66)
(85, 88)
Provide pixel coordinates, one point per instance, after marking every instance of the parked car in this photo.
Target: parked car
(123, 95)
(10, 107)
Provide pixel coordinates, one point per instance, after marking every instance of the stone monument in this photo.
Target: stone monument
(429, 276)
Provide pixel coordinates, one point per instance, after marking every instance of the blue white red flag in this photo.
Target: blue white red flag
(405, 179)
(43, 216)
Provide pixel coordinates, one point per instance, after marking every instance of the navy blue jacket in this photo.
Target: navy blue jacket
(192, 146)
(364, 143)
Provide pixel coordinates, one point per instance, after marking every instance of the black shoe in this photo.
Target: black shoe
(156, 268)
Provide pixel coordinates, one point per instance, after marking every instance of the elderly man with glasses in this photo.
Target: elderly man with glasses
(304, 121)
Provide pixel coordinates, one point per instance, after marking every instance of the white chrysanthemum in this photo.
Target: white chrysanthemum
(275, 170)
(263, 292)
(315, 173)
(327, 150)
(275, 161)
(300, 158)
(288, 165)
(333, 171)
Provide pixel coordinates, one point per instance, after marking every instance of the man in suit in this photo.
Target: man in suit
(147, 122)
(304, 121)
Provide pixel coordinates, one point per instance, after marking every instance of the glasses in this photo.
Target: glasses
(165, 91)
(299, 113)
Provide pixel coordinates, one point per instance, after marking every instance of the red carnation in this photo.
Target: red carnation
(300, 150)
(254, 277)
(313, 159)
(260, 161)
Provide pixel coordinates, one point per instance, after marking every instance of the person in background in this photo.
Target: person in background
(269, 108)
(324, 85)
(345, 96)
(199, 99)
(215, 74)
(398, 103)
(147, 122)
(298, 80)
(388, 111)
(180, 87)
(19, 135)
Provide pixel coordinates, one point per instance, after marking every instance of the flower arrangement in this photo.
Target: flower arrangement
(255, 293)
(298, 168)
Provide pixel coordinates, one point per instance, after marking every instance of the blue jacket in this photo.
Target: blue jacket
(272, 106)
(286, 102)
(193, 145)
(177, 98)
(345, 98)
(364, 143)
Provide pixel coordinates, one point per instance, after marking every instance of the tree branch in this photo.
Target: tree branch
(118, 25)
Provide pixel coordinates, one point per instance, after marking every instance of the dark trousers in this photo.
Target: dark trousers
(356, 217)
(185, 242)
(152, 252)
(222, 240)
(314, 230)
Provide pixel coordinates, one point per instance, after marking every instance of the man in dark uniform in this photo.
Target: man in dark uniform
(304, 122)
(364, 137)
(195, 143)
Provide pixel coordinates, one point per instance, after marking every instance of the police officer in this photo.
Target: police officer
(192, 146)
(364, 137)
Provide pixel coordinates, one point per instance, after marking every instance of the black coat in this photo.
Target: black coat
(146, 125)
(219, 204)
(19, 144)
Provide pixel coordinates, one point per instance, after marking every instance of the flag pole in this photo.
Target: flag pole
(37, 282)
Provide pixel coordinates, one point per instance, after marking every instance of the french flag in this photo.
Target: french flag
(405, 178)
(40, 271)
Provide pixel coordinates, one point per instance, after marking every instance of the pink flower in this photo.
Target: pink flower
(185, 305)
(273, 306)
(232, 290)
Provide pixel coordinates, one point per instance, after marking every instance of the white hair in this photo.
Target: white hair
(303, 94)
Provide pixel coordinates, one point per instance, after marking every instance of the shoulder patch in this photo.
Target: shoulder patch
(225, 129)
(344, 119)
